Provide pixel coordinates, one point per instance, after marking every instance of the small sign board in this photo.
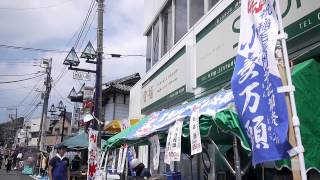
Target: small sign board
(81, 76)
(88, 93)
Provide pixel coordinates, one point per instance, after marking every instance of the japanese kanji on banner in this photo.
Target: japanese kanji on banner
(120, 160)
(92, 154)
(262, 110)
(123, 160)
(195, 137)
(168, 145)
(175, 150)
(155, 146)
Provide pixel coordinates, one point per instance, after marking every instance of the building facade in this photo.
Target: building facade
(192, 44)
(191, 50)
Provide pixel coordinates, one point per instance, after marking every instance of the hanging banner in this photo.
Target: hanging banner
(155, 146)
(162, 119)
(113, 167)
(262, 110)
(123, 160)
(119, 159)
(168, 145)
(175, 150)
(195, 137)
(92, 154)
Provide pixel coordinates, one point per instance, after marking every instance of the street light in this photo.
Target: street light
(62, 108)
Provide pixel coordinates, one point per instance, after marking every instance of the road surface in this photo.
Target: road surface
(13, 175)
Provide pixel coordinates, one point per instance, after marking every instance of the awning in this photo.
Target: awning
(78, 142)
(215, 121)
(115, 126)
(306, 79)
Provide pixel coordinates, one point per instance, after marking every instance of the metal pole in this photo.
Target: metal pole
(45, 106)
(98, 93)
(64, 119)
(236, 159)
(295, 119)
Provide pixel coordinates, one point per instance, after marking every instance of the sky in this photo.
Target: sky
(55, 24)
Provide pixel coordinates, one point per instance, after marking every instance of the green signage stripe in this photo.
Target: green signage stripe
(220, 18)
(166, 65)
(217, 74)
(303, 25)
(304, 29)
(170, 97)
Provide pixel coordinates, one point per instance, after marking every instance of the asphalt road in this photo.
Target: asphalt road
(13, 175)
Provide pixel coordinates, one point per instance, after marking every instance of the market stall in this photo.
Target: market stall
(218, 122)
(218, 125)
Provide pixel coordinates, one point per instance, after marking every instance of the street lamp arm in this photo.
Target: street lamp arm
(80, 69)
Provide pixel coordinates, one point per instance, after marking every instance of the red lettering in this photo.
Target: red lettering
(255, 6)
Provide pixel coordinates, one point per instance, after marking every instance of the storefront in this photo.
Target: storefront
(201, 61)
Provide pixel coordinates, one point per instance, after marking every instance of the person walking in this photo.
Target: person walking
(59, 165)
(8, 163)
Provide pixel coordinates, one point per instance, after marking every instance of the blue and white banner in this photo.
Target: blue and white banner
(262, 111)
(158, 121)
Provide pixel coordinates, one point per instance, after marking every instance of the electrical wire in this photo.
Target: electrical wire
(29, 93)
(35, 8)
(32, 49)
(8, 82)
(84, 24)
(9, 75)
(89, 28)
(91, 7)
(67, 100)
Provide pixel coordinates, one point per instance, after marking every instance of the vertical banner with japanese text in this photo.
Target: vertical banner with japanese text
(262, 110)
(155, 146)
(175, 150)
(195, 137)
(92, 154)
(168, 145)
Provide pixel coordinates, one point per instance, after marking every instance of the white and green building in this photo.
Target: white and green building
(192, 44)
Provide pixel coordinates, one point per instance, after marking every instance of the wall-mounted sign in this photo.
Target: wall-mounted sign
(81, 76)
(167, 83)
(88, 93)
(215, 54)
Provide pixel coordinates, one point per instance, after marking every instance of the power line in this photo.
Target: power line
(26, 97)
(19, 74)
(89, 28)
(34, 8)
(8, 82)
(32, 49)
(84, 24)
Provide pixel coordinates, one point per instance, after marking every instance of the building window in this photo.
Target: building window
(167, 28)
(148, 53)
(155, 43)
(196, 11)
(181, 19)
(212, 3)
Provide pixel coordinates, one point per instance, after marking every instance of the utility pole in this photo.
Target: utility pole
(47, 83)
(98, 93)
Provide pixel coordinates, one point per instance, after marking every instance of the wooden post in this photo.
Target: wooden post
(292, 138)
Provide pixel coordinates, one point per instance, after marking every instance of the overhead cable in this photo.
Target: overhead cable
(8, 82)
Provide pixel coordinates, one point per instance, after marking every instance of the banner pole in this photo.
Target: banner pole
(295, 120)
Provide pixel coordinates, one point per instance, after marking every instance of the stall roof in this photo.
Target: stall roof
(306, 79)
(78, 142)
(212, 124)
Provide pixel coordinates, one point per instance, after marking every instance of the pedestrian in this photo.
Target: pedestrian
(59, 165)
(139, 168)
(8, 163)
